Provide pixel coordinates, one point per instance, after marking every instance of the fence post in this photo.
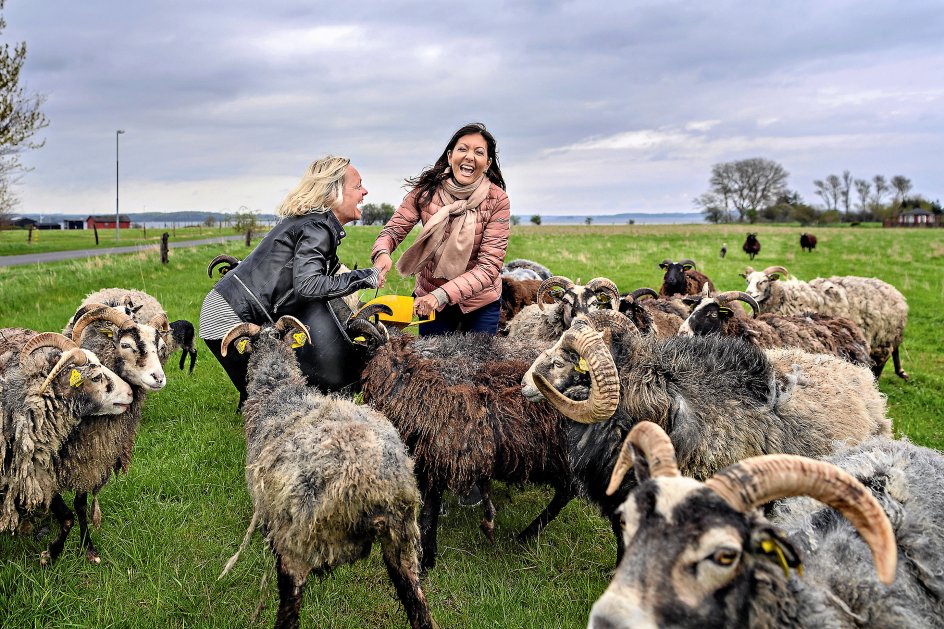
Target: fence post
(164, 247)
(248, 237)
(95, 227)
(29, 236)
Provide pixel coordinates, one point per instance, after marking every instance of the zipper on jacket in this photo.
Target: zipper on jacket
(282, 300)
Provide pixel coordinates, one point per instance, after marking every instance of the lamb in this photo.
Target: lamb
(659, 316)
(521, 269)
(814, 333)
(327, 477)
(722, 400)
(44, 397)
(455, 400)
(143, 308)
(807, 242)
(879, 310)
(751, 245)
(544, 323)
(682, 278)
(702, 554)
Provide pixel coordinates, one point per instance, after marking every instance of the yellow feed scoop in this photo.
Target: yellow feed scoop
(402, 307)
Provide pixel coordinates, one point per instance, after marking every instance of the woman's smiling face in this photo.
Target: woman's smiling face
(469, 158)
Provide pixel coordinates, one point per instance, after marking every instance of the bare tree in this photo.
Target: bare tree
(748, 184)
(902, 186)
(846, 189)
(881, 189)
(20, 119)
(830, 190)
(863, 190)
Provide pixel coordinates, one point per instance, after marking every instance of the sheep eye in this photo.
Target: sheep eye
(725, 557)
(622, 521)
(127, 346)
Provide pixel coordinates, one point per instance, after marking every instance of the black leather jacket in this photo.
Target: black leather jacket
(293, 265)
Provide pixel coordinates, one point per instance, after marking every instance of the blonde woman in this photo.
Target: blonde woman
(292, 271)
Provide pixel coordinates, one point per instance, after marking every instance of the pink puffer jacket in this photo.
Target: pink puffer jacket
(481, 283)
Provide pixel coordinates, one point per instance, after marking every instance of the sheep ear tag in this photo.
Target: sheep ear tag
(75, 379)
(581, 366)
(107, 332)
(298, 339)
(771, 547)
(241, 345)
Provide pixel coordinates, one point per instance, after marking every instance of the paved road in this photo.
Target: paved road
(52, 256)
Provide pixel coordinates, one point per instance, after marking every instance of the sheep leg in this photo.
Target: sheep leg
(562, 496)
(488, 521)
(81, 511)
(618, 533)
(65, 517)
(901, 373)
(429, 525)
(291, 591)
(402, 572)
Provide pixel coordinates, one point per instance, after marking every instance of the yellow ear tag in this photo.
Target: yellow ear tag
(359, 339)
(581, 366)
(75, 380)
(299, 339)
(241, 346)
(773, 548)
(107, 332)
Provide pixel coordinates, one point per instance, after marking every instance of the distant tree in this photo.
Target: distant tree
(515, 219)
(748, 184)
(20, 119)
(902, 186)
(245, 220)
(536, 219)
(373, 214)
(713, 207)
(210, 221)
(881, 189)
(588, 220)
(631, 221)
(846, 190)
(830, 190)
(863, 191)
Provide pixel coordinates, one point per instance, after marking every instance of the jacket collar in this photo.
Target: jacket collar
(335, 225)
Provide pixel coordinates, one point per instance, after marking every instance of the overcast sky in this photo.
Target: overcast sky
(598, 107)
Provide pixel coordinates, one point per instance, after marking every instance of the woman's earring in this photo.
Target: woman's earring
(447, 171)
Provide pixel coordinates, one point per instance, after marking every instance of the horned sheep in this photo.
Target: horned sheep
(521, 269)
(44, 397)
(811, 332)
(327, 477)
(878, 308)
(703, 554)
(721, 400)
(545, 323)
(682, 278)
(658, 316)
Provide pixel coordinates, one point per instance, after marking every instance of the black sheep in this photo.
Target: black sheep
(751, 245)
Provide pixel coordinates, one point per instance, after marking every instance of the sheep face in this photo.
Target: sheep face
(759, 283)
(706, 318)
(99, 390)
(691, 560)
(673, 281)
(562, 367)
(141, 351)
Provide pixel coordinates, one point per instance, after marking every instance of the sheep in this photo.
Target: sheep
(516, 296)
(44, 398)
(807, 242)
(702, 554)
(682, 278)
(327, 477)
(521, 269)
(659, 316)
(812, 332)
(724, 249)
(143, 308)
(544, 323)
(455, 400)
(722, 400)
(751, 245)
(878, 308)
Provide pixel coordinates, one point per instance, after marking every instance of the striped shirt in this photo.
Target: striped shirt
(216, 317)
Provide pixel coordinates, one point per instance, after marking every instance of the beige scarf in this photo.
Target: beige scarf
(452, 253)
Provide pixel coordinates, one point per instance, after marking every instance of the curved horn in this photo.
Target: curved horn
(240, 329)
(47, 339)
(368, 329)
(737, 295)
(611, 320)
(607, 286)
(75, 355)
(775, 269)
(687, 261)
(286, 322)
(231, 263)
(550, 283)
(159, 322)
(642, 292)
(758, 480)
(655, 446)
(104, 313)
(665, 263)
(370, 310)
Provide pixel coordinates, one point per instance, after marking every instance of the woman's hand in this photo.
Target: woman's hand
(424, 305)
(383, 262)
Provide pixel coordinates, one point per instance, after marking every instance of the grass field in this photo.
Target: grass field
(14, 241)
(171, 523)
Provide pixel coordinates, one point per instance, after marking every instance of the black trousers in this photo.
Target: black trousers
(234, 364)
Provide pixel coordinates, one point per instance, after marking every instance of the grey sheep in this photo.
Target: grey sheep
(811, 332)
(877, 307)
(659, 316)
(44, 397)
(327, 477)
(703, 554)
(545, 323)
(521, 269)
(721, 400)
(682, 278)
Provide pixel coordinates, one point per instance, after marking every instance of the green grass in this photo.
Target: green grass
(170, 524)
(14, 241)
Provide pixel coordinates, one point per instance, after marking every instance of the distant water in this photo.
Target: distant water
(638, 218)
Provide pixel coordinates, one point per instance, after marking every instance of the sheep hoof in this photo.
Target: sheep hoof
(903, 375)
(488, 527)
(92, 557)
(45, 558)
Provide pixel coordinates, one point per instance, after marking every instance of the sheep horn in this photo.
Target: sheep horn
(367, 328)
(231, 263)
(556, 281)
(606, 286)
(655, 447)
(287, 322)
(775, 269)
(604, 380)
(47, 339)
(611, 320)
(104, 313)
(687, 261)
(240, 329)
(75, 355)
(159, 322)
(758, 480)
(369, 311)
(665, 263)
(642, 292)
(737, 295)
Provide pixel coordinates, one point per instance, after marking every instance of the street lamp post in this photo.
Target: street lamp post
(117, 222)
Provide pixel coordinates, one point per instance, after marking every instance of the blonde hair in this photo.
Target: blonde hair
(321, 188)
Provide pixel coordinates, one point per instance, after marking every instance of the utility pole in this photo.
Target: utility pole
(117, 222)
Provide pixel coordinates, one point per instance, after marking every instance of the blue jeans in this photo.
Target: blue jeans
(451, 319)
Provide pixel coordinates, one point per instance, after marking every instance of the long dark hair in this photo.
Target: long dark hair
(428, 180)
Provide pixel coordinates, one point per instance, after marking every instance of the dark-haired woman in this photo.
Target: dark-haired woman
(458, 256)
